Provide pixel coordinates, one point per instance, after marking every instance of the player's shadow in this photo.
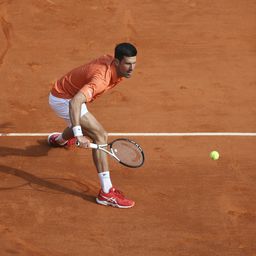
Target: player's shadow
(6, 125)
(40, 149)
(45, 185)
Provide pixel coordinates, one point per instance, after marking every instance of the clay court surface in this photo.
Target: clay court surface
(195, 73)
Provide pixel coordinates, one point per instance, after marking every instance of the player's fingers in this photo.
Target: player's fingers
(83, 144)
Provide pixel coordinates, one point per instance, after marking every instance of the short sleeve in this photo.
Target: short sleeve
(88, 91)
(96, 86)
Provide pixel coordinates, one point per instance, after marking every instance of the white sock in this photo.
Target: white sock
(105, 181)
(60, 140)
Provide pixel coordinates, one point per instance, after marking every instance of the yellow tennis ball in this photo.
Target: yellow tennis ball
(214, 155)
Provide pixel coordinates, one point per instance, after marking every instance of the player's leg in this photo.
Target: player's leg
(94, 130)
(61, 108)
(108, 195)
(67, 134)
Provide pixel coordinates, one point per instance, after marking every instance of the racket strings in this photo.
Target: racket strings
(128, 153)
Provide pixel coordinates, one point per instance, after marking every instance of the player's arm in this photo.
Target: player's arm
(85, 95)
(75, 112)
(75, 108)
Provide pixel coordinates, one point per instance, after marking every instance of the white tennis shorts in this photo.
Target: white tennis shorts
(61, 107)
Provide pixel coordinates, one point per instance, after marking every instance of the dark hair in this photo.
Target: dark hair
(125, 49)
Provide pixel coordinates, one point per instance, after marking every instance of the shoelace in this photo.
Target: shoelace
(119, 193)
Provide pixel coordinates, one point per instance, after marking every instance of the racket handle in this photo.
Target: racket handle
(92, 145)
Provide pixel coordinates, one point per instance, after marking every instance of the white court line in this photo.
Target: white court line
(180, 134)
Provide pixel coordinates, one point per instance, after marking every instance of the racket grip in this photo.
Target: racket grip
(92, 145)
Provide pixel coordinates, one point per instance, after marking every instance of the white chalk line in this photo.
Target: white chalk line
(167, 134)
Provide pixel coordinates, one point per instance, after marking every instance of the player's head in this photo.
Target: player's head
(125, 59)
(125, 50)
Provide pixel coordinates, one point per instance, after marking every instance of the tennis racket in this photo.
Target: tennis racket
(125, 151)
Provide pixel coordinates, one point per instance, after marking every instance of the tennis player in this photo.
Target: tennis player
(69, 97)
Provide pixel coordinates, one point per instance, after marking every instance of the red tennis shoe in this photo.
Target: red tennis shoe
(114, 198)
(52, 140)
(71, 142)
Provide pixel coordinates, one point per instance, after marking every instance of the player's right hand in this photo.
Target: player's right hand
(83, 142)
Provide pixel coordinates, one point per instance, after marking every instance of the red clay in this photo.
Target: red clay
(195, 73)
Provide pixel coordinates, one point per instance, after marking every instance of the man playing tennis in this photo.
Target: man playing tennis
(69, 97)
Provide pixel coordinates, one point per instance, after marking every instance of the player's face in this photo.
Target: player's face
(126, 66)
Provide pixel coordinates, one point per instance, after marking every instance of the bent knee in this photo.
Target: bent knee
(104, 136)
(101, 137)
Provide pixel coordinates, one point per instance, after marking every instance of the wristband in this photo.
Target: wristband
(77, 130)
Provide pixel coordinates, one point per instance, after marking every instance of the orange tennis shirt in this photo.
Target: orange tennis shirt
(91, 79)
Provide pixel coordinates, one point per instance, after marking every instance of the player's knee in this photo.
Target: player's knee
(104, 136)
(101, 137)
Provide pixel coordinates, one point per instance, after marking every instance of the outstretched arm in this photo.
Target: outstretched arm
(75, 112)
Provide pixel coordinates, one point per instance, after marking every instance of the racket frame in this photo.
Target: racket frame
(103, 147)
